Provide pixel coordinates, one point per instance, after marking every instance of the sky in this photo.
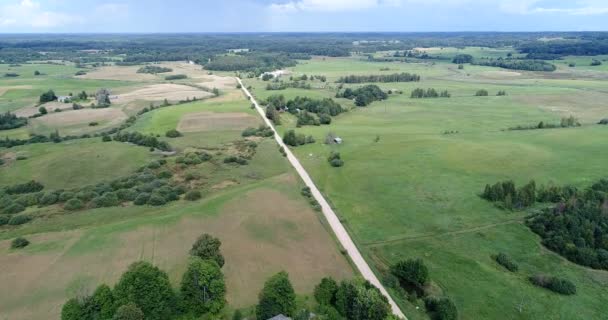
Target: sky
(153, 16)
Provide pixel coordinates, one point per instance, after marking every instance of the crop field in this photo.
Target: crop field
(256, 209)
(414, 170)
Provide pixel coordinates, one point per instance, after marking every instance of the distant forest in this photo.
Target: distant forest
(271, 50)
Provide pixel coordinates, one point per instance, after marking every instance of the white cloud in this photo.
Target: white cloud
(331, 5)
(28, 13)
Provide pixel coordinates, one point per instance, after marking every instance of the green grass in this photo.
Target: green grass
(414, 193)
(73, 163)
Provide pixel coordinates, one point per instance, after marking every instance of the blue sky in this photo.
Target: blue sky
(301, 15)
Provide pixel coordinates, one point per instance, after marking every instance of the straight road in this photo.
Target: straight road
(328, 212)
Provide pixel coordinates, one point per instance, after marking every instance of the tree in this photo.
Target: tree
(102, 302)
(19, 243)
(325, 292)
(129, 311)
(441, 309)
(203, 289)
(48, 96)
(360, 300)
(412, 272)
(277, 297)
(42, 110)
(149, 288)
(72, 310)
(290, 138)
(103, 97)
(207, 247)
(173, 133)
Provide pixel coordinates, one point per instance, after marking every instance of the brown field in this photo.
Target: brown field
(124, 73)
(209, 121)
(50, 107)
(262, 232)
(159, 92)
(76, 121)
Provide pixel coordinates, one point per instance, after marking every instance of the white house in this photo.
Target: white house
(64, 99)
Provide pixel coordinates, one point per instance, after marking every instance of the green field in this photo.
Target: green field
(255, 209)
(414, 192)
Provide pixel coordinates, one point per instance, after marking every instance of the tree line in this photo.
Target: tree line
(11, 121)
(419, 93)
(395, 77)
(517, 64)
(567, 122)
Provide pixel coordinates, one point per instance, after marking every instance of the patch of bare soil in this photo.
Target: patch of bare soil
(209, 121)
(123, 73)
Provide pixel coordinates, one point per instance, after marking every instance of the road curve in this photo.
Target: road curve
(328, 212)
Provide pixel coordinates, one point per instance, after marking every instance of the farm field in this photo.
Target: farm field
(256, 209)
(414, 169)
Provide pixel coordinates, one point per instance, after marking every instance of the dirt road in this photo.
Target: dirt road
(328, 212)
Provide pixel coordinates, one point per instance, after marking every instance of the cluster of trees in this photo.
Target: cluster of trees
(595, 63)
(577, 226)
(481, 93)
(153, 69)
(581, 45)
(510, 197)
(395, 77)
(567, 122)
(255, 62)
(462, 58)
(364, 95)
(307, 193)
(11, 121)
(501, 93)
(282, 85)
(320, 107)
(261, 131)
(193, 158)
(412, 276)
(145, 292)
(141, 139)
(291, 138)
(305, 77)
(355, 299)
(517, 64)
(420, 93)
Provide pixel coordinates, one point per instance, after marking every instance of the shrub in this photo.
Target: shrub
(176, 77)
(506, 261)
(193, 195)
(108, 199)
(19, 220)
(558, 285)
(141, 199)
(335, 160)
(19, 243)
(93, 124)
(106, 138)
(66, 195)
(49, 199)
(13, 208)
(441, 309)
(3, 220)
(603, 121)
(412, 272)
(73, 204)
(173, 134)
(156, 200)
(481, 93)
(31, 186)
(207, 247)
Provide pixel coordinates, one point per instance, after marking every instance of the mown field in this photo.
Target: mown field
(256, 210)
(408, 190)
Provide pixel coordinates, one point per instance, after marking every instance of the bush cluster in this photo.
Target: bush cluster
(153, 69)
(291, 138)
(142, 140)
(419, 93)
(504, 260)
(567, 122)
(261, 131)
(335, 159)
(555, 284)
(508, 196)
(193, 158)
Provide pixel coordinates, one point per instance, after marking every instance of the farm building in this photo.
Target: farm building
(64, 99)
(280, 317)
(338, 140)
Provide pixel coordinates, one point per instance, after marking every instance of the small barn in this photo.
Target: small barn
(338, 140)
(280, 317)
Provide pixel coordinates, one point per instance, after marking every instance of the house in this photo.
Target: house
(280, 317)
(64, 99)
(338, 140)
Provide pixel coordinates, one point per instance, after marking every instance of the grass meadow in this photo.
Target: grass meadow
(414, 192)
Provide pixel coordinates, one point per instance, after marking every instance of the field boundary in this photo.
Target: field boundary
(335, 224)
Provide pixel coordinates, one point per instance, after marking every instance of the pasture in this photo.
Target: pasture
(414, 169)
(255, 209)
